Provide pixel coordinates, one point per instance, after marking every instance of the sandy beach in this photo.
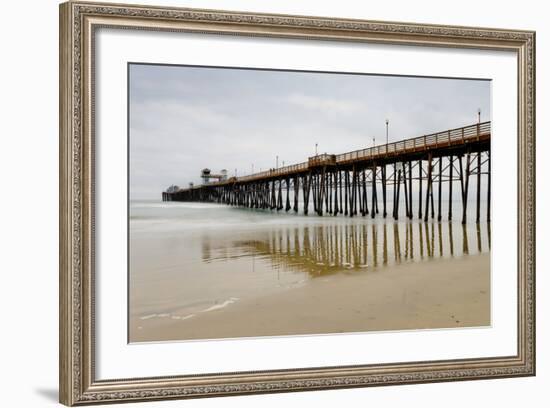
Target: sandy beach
(441, 293)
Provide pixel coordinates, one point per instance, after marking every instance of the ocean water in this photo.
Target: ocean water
(191, 258)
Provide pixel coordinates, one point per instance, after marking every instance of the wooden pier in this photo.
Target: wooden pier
(343, 183)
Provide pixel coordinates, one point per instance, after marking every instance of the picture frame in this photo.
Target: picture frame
(79, 22)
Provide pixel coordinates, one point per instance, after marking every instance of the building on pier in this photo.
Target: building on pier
(206, 176)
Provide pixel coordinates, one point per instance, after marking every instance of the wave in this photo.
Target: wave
(221, 305)
(175, 316)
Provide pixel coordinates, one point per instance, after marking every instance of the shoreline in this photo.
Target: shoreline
(440, 293)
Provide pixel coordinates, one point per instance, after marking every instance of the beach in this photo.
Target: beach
(203, 271)
(438, 294)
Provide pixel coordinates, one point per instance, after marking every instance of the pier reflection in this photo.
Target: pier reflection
(325, 249)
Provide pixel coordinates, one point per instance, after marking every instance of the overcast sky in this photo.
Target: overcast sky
(183, 119)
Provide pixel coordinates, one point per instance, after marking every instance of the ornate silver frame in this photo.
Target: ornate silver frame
(78, 22)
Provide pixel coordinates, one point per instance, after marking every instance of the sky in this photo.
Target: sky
(183, 119)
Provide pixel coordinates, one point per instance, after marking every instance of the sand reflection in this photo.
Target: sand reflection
(326, 249)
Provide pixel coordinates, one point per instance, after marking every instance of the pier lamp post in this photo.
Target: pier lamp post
(316, 148)
(277, 162)
(387, 123)
(478, 115)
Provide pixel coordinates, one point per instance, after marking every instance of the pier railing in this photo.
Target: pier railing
(281, 171)
(434, 140)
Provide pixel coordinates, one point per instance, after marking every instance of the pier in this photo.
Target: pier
(356, 183)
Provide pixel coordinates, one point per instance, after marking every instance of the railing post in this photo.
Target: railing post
(449, 136)
(477, 132)
(462, 135)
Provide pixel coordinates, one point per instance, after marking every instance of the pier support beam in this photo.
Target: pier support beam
(320, 191)
(365, 195)
(306, 187)
(466, 184)
(439, 189)
(346, 190)
(461, 174)
(374, 204)
(336, 180)
(273, 196)
(340, 188)
(360, 193)
(478, 187)
(280, 196)
(355, 189)
(375, 190)
(296, 192)
(406, 195)
(489, 186)
(330, 188)
(383, 168)
(314, 191)
(394, 187)
(410, 191)
(432, 195)
(353, 204)
(419, 189)
(325, 186)
(428, 188)
(396, 210)
(287, 207)
(451, 181)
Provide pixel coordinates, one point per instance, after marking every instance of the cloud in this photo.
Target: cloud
(324, 105)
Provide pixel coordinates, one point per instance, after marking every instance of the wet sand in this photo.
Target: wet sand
(440, 293)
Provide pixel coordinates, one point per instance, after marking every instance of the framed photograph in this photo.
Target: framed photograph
(256, 203)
